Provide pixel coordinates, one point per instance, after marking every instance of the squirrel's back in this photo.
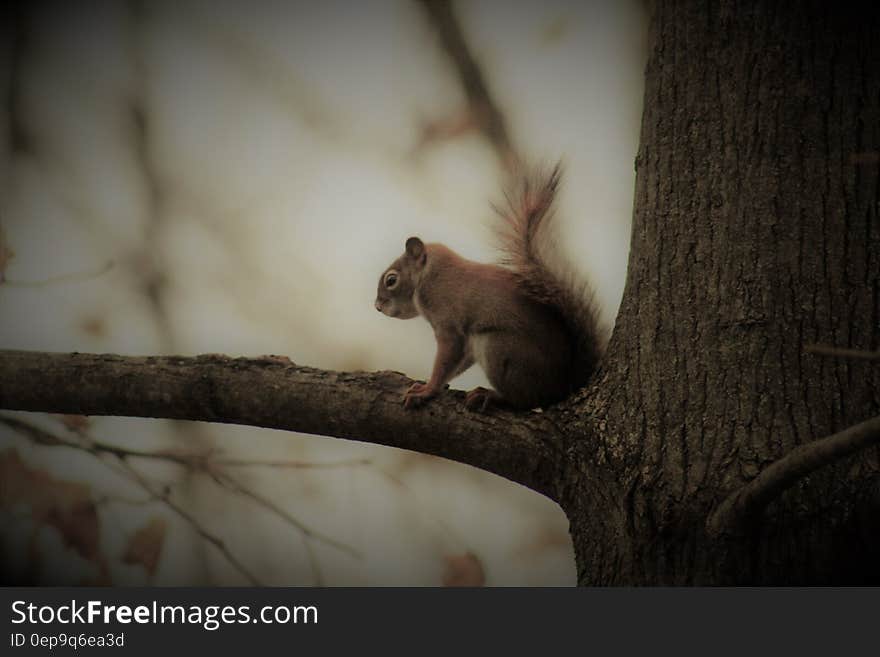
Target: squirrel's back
(476, 296)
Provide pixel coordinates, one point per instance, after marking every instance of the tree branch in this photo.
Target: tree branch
(272, 392)
(745, 503)
(482, 105)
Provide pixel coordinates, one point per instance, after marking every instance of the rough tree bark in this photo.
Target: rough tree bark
(698, 454)
(754, 233)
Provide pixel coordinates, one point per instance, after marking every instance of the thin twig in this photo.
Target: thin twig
(93, 446)
(199, 460)
(745, 503)
(42, 437)
(236, 486)
(410, 494)
(193, 522)
(73, 277)
(196, 462)
(313, 560)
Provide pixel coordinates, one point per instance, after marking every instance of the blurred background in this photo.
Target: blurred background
(231, 177)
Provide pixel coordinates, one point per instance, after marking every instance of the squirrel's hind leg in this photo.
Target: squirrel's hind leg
(480, 398)
(525, 375)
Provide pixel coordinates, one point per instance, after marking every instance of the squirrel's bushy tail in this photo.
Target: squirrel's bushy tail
(527, 244)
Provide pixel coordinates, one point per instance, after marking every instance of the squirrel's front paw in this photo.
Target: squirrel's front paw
(417, 395)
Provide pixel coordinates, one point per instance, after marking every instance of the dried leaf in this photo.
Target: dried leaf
(145, 545)
(464, 570)
(95, 326)
(65, 505)
(76, 423)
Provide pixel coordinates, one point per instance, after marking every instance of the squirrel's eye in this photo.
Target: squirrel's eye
(391, 280)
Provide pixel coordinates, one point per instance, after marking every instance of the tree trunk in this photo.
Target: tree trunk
(755, 233)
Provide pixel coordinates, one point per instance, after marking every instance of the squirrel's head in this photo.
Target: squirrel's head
(394, 296)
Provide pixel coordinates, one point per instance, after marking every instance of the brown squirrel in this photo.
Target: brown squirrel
(534, 332)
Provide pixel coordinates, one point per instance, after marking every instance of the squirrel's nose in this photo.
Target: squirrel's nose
(378, 305)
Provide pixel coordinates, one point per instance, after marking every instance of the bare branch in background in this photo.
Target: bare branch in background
(45, 438)
(231, 483)
(211, 538)
(260, 65)
(12, 33)
(483, 110)
(409, 493)
(73, 277)
(163, 495)
(152, 280)
(15, 31)
(269, 392)
(197, 462)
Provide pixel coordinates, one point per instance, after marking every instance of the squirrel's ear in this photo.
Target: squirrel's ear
(415, 249)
